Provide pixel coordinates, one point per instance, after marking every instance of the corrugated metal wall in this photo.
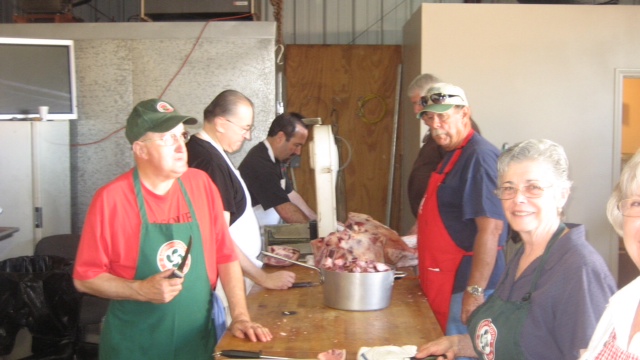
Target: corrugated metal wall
(356, 22)
(360, 22)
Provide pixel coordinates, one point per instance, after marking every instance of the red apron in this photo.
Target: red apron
(438, 256)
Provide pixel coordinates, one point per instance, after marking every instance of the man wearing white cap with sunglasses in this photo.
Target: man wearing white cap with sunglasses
(461, 225)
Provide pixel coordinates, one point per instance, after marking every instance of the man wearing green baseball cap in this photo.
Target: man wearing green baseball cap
(155, 242)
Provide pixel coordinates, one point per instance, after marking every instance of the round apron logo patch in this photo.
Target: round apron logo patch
(170, 256)
(486, 335)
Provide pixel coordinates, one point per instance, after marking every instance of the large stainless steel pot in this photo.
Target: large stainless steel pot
(354, 291)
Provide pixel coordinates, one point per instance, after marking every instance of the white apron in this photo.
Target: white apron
(245, 231)
(266, 217)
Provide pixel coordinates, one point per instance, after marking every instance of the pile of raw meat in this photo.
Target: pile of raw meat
(365, 245)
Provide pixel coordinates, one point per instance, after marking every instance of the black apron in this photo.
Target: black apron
(495, 326)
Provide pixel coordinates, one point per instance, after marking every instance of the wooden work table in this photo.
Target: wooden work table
(312, 328)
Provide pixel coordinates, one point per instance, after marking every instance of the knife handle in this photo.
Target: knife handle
(239, 354)
(176, 274)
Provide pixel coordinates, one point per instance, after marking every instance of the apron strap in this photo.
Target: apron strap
(454, 158)
(556, 235)
(194, 219)
(139, 197)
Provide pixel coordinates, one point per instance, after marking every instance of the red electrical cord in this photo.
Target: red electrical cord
(174, 76)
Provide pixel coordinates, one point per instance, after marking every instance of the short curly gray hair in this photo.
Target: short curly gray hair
(421, 84)
(543, 150)
(628, 186)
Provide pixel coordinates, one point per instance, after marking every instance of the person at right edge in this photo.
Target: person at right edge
(461, 226)
(616, 336)
(556, 285)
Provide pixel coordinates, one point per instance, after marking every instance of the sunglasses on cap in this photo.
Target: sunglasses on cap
(437, 98)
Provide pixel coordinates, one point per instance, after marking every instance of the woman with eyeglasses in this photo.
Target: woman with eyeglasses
(616, 336)
(555, 287)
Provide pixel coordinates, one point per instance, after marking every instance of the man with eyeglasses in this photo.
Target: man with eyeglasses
(264, 171)
(144, 226)
(461, 224)
(228, 121)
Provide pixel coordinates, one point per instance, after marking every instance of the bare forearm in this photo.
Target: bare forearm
(485, 251)
(158, 288)
(110, 287)
(233, 284)
(298, 201)
(291, 214)
(249, 269)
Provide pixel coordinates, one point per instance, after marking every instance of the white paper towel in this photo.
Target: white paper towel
(388, 352)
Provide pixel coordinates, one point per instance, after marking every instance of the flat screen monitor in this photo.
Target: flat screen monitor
(37, 72)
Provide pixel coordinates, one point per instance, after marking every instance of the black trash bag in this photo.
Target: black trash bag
(37, 292)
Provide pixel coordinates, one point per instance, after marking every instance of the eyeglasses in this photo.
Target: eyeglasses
(630, 207)
(171, 139)
(531, 191)
(244, 129)
(437, 98)
(430, 118)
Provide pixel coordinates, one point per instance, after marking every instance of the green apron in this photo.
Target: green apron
(496, 325)
(180, 329)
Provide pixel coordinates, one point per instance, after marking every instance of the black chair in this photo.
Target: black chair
(92, 308)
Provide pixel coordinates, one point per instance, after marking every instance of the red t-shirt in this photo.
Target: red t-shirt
(111, 236)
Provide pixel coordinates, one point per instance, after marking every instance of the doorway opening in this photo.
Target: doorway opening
(626, 143)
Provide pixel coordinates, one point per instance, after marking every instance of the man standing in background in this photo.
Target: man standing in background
(430, 153)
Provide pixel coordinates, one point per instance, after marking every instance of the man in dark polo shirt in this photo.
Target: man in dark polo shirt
(264, 171)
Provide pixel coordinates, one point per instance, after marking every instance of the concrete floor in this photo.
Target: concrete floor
(22, 348)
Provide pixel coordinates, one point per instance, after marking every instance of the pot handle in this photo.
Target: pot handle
(399, 275)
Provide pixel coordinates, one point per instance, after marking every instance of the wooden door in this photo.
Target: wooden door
(354, 89)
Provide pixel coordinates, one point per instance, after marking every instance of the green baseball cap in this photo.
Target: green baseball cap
(442, 97)
(154, 115)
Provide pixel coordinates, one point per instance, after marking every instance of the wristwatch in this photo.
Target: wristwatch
(475, 290)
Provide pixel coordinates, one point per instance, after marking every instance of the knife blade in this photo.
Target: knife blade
(240, 354)
(178, 272)
(304, 284)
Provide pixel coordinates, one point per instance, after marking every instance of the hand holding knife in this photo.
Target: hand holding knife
(178, 272)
